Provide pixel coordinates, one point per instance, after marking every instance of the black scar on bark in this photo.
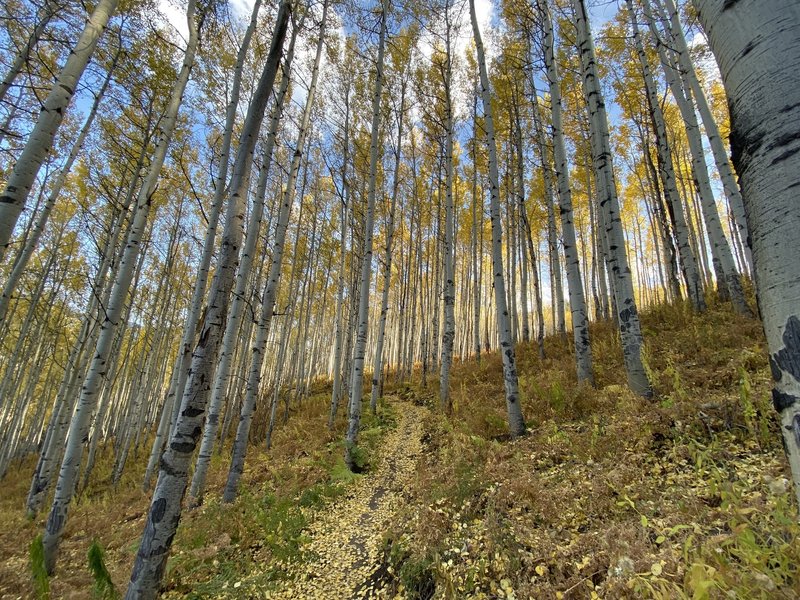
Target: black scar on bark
(159, 508)
(192, 412)
(782, 401)
(787, 359)
(184, 447)
(796, 429)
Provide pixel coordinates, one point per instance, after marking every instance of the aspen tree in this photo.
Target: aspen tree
(18, 187)
(516, 423)
(165, 508)
(448, 290)
(362, 323)
(756, 46)
(728, 281)
(387, 259)
(31, 242)
(222, 374)
(721, 160)
(691, 275)
(622, 284)
(577, 300)
(81, 419)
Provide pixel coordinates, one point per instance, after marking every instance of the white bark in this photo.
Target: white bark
(79, 427)
(165, 509)
(222, 375)
(627, 314)
(448, 290)
(180, 371)
(691, 275)
(48, 10)
(19, 184)
(357, 378)
(32, 240)
(516, 423)
(728, 282)
(757, 47)
(723, 164)
(377, 367)
(577, 300)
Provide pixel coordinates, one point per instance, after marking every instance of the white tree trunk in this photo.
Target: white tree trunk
(728, 282)
(516, 423)
(377, 367)
(223, 370)
(81, 419)
(48, 10)
(726, 175)
(757, 47)
(180, 369)
(449, 289)
(691, 275)
(627, 314)
(357, 378)
(577, 300)
(33, 239)
(165, 509)
(18, 187)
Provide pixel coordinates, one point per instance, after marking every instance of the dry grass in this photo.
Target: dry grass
(609, 495)
(215, 544)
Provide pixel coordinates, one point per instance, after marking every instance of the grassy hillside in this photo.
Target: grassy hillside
(607, 496)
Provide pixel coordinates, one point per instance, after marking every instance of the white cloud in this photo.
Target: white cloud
(174, 16)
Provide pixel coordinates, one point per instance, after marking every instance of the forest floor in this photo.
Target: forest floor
(607, 495)
(345, 543)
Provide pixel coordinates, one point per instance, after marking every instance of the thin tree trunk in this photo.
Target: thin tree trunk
(577, 300)
(387, 264)
(165, 509)
(691, 275)
(19, 184)
(357, 378)
(516, 422)
(627, 314)
(79, 427)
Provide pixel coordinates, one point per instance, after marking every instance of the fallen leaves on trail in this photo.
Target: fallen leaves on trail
(345, 540)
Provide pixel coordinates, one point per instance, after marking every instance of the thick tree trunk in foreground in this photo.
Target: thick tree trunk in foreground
(516, 422)
(181, 367)
(757, 46)
(165, 509)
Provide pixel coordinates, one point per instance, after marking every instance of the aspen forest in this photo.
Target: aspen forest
(493, 299)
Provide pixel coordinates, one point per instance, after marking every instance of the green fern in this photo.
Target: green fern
(103, 586)
(41, 581)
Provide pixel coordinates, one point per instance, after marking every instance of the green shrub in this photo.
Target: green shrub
(41, 581)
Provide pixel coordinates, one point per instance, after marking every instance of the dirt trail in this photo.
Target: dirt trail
(346, 538)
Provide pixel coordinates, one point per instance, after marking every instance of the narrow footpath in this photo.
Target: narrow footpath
(345, 540)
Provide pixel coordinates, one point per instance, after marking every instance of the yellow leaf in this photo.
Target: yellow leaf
(656, 569)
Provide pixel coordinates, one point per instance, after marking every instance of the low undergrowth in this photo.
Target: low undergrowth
(608, 495)
(217, 546)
